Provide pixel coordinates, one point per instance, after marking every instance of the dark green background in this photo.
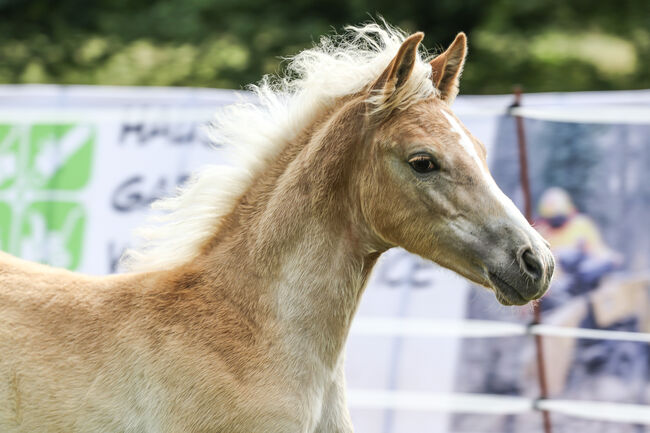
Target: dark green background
(546, 45)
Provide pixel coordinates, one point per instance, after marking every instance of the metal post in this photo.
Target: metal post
(528, 211)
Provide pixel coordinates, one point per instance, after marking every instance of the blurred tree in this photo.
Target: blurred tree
(543, 44)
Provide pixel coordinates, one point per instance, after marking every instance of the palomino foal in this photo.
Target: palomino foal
(236, 318)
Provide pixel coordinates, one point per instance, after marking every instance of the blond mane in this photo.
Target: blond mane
(340, 65)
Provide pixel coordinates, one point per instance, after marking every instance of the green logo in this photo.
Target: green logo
(9, 146)
(5, 224)
(43, 170)
(52, 232)
(60, 156)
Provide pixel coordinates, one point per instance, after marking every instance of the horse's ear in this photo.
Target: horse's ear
(447, 67)
(401, 67)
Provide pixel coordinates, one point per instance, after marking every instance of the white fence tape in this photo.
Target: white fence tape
(497, 405)
(489, 404)
(601, 114)
(592, 334)
(452, 402)
(387, 326)
(602, 411)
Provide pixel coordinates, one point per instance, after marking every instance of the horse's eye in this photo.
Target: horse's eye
(423, 163)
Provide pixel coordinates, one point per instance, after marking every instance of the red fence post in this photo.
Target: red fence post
(528, 212)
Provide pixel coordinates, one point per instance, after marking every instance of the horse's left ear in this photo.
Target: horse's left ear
(447, 67)
(401, 67)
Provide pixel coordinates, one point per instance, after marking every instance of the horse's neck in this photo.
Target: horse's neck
(299, 246)
(315, 292)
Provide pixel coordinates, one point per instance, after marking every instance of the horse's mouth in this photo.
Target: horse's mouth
(505, 292)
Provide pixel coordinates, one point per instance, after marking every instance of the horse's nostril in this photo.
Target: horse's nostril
(531, 264)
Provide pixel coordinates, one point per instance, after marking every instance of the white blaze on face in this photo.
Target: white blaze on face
(467, 144)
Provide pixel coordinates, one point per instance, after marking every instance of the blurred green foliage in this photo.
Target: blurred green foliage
(545, 45)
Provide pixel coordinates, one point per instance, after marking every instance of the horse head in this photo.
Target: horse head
(427, 186)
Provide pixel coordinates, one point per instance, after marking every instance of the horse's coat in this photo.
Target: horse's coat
(237, 318)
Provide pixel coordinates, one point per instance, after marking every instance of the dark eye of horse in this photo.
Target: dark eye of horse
(423, 163)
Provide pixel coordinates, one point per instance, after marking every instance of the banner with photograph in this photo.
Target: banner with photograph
(590, 187)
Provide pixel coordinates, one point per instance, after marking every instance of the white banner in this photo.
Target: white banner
(79, 167)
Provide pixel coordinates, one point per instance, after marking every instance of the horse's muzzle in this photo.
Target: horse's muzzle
(527, 279)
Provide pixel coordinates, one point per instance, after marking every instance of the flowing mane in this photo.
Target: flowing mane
(315, 79)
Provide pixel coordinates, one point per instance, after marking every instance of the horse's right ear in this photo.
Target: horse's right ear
(401, 67)
(447, 67)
